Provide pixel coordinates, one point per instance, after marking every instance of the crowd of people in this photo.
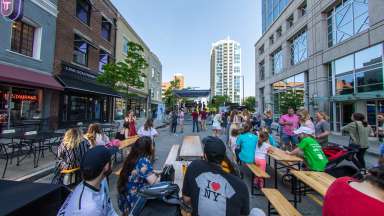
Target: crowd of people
(213, 185)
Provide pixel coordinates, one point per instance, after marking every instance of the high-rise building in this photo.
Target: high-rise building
(325, 55)
(271, 10)
(180, 77)
(226, 70)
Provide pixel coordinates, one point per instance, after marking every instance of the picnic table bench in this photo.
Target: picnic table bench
(282, 206)
(258, 172)
(172, 155)
(191, 148)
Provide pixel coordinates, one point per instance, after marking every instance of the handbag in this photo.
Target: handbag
(168, 173)
(120, 135)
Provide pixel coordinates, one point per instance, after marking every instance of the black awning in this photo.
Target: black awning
(191, 93)
(86, 86)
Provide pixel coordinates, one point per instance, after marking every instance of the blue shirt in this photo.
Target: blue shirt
(247, 144)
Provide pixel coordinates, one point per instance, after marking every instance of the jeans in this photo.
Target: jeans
(360, 152)
(173, 127)
(289, 138)
(195, 125)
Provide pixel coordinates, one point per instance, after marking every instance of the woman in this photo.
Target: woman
(181, 120)
(349, 197)
(216, 126)
(268, 119)
(234, 121)
(358, 131)
(96, 136)
(72, 148)
(137, 172)
(305, 119)
(246, 143)
(148, 130)
(322, 129)
(130, 119)
(246, 117)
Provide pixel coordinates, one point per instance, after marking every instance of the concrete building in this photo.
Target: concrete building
(226, 76)
(180, 77)
(326, 53)
(155, 83)
(27, 86)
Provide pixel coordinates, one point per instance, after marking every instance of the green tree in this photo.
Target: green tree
(290, 98)
(250, 103)
(218, 101)
(169, 98)
(127, 73)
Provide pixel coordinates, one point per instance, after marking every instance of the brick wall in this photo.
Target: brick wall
(67, 22)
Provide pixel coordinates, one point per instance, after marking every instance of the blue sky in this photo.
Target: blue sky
(181, 33)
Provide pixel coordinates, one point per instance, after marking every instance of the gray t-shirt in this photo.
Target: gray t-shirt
(320, 128)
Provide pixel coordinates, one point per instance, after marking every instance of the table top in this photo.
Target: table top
(318, 181)
(281, 155)
(191, 147)
(128, 142)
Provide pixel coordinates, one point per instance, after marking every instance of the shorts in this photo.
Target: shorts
(290, 138)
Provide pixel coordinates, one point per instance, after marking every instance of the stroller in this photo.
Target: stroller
(342, 161)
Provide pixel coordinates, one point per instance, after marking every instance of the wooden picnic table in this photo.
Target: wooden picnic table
(191, 148)
(128, 142)
(317, 181)
(282, 160)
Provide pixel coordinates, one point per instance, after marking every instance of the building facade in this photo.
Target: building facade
(86, 32)
(27, 85)
(226, 76)
(327, 54)
(180, 78)
(155, 82)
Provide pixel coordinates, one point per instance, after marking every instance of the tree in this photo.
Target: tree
(250, 103)
(169, 98)
(290, 98)
(218, 101)
(127, 73)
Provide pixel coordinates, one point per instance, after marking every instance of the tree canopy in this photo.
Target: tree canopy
(250, 103)
(169, 98)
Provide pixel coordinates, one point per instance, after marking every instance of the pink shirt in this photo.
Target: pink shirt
(288, 129)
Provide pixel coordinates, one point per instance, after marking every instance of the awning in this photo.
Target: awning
(191, 93)
(86, 86)
(31, 78)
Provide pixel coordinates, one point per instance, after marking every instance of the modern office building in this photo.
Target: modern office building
(27, 85)
(226, 77)
(325, 55)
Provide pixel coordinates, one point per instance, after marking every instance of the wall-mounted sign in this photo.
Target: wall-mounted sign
(22, 97)
(12, 9)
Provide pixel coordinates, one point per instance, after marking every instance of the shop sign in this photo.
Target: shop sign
(70, 69)
(12, 9)
(22, 97)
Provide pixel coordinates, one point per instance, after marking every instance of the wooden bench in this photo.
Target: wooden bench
(257, 172)
(69, 171)
(191, 148)
(282, 206)
(172, 155)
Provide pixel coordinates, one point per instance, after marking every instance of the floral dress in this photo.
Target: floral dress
(136, 181)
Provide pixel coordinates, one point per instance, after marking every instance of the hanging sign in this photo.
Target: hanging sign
(12, 9)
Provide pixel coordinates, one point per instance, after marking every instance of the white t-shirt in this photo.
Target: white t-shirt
(232, 142)
(86, 200)
(262, 151)
(102, 139)
(150, 133)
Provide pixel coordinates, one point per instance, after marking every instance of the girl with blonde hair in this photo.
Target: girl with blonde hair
(305, 119)
(96, 136)
(72, 149)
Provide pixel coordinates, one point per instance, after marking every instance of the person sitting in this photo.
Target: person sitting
(209, 189)
(349, 197)
(246, 143)
(96, 136)
(137, 172)
(314, 156)
(91, 196)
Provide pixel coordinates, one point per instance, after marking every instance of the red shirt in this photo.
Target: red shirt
(203, 115)
(195, 115)
(343, 200)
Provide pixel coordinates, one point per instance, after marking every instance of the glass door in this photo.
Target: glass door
(347, 110)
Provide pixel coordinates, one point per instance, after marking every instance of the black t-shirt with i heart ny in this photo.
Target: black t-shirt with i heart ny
(214, 192)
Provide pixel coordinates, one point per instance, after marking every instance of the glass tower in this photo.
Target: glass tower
(271, 9)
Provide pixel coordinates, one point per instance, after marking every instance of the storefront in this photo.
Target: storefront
(84, 100)
(26, 101)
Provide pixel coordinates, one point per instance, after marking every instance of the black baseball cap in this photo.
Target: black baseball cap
(214, 146)
(95, 159)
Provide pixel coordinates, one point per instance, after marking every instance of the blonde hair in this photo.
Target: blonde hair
(304, 115)
(72, 138)
(324, 115)
(93, 130)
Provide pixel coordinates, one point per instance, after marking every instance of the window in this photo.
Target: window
(125, 45)
(279, 32)
(271, 39)
(83, 11)
(299, 51)
(106, 27)
(303, 9)
(153, 72)
(103, 59)
(80, 52)
(290, 22)
(277, 61)
(261, 70)
(261, 50)
(348, 18)
(22, 38)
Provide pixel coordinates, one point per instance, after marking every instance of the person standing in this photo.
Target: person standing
(234, 121)
(148, 130)
(261, 155)
(130, 119)
(173, 122)
(268, 119)
(246, 144)
(216, 126)
(195, 121)
(358, 131)
(305, 119)
(203, 116)
(181, 120)
(289, 122)
(91, 196)
(322, 129)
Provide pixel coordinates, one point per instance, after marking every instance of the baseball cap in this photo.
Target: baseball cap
(304, 130)
(95, 159)
(214, 146)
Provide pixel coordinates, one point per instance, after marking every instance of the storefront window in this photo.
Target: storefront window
(344, 84)
(344, 64)
(370, 80)
(299, 51)
(78, 108)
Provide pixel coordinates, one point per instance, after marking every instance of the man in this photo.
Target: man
(195, 120)
(203, 116)
(314, 156)
(91, 196)
(289, 122)
(209, 189)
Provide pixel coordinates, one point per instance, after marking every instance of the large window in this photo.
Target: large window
(360, 72)
(22, 38)
(80, 51)
(271, 11)
(83, 11)
(348, 18)
(299, 51)
(103, 59)
(125, 45)
(106, 28)
(277, 61)
(262, 70)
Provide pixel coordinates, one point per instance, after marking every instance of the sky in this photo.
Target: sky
(181, 33)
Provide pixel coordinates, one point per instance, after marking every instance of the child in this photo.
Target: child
(232, 139)
(262, 149)
(272, 140)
